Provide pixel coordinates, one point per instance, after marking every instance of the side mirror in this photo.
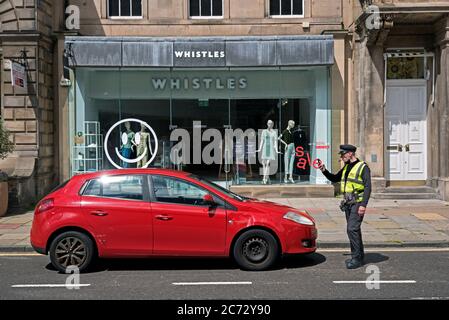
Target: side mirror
(209, 200)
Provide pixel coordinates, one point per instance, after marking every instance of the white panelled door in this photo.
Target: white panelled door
(406, 130)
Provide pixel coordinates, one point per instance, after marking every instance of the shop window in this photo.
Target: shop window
(191, 111)
(405, 68)
(255, 113)
(125, 8)
(206, 8)
(286, 8)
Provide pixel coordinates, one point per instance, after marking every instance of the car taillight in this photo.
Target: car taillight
(45, 205)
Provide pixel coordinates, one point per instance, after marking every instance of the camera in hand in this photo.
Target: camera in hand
(349, 199)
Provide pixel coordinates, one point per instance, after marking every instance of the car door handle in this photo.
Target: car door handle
(99, 213)
(164, 218)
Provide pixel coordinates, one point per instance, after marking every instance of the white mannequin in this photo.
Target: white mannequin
(143, 143)
(289, 155)
(269, 149)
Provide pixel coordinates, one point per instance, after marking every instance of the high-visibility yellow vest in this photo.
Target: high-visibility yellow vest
(354, 183)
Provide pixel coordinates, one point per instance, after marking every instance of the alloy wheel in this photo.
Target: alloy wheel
(71, 251)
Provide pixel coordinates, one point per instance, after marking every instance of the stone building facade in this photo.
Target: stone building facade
(26, 36)
(401, 95)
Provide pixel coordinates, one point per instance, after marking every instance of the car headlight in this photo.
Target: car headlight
(295, 217)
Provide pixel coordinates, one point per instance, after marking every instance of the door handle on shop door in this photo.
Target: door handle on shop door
(99, 213)
(164, 218)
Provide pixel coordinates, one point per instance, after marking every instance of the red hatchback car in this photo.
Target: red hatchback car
(155, 212)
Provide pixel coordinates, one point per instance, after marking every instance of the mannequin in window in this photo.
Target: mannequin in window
(144, 147)
(268, 147)
(289, 151)
(128, 144)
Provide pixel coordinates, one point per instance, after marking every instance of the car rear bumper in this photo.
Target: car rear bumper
(37, 238)
(39, 249)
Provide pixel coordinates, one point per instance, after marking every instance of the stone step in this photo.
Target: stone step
(402, 195)
(285, 191)
(422, 189)
(418, 192)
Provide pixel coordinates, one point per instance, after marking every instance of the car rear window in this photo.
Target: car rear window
(128, 187)
(62, 185)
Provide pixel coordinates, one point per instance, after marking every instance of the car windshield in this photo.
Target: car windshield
(219, 188)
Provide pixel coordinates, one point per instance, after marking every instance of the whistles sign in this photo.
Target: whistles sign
(200, 54)
(188, 54)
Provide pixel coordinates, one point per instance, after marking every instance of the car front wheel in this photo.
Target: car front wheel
(71, 249)
(256, 250)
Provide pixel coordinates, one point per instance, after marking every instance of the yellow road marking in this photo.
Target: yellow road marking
(13, 254)
(388, 250)
(337, 250)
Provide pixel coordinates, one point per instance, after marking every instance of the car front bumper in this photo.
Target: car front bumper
(301, 239)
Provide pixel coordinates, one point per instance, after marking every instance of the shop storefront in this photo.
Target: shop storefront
(176, 103)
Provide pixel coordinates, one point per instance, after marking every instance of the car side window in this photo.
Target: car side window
(129, 187)
(170, 190)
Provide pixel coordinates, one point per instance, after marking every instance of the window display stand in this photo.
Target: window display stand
(165, 161)
(88, 155)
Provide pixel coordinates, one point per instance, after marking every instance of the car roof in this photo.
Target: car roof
(96, 174)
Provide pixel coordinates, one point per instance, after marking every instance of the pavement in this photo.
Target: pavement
(387, 223)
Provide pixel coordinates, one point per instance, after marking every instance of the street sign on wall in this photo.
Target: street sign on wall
(18, 75)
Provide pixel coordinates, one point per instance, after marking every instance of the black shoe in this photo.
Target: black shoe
(353, 264)
(362, 260)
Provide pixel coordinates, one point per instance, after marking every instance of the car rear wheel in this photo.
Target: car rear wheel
(256, 250)
(71, 249)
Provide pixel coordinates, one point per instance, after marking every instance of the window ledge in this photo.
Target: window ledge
(125, 17)
(291, 16)
(206, 17)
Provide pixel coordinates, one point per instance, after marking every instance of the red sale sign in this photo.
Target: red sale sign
(304, 159)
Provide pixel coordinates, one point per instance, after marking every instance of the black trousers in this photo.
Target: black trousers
(354, 224)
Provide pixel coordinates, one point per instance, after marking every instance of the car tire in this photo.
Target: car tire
(73, 249)
(256, 250)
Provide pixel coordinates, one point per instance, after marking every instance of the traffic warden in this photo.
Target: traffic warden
(355, 180)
